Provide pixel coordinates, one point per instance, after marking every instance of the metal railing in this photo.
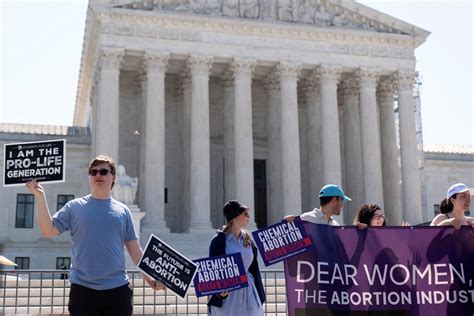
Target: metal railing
(47, 292)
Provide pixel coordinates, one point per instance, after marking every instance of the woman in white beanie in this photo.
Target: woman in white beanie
(454, 206)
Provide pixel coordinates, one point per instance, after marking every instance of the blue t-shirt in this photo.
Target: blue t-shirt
(99, 228)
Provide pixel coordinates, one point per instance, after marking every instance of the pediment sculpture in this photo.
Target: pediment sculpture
(316, 12)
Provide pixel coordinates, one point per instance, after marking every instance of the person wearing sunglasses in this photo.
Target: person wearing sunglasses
(100, 227)
(233, 238)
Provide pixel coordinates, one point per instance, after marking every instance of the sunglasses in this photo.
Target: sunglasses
(102, 172)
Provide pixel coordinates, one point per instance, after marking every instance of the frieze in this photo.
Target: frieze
(351, 48)
(313, 12)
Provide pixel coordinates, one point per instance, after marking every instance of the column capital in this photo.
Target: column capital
(288, 70)
(111, 57)
(200, 64)
(350, 85)
(227, 79)
(368, 77)
(243, 66)
(185, 75)
(405, 79)
(329, 74)
(309, 86)
(386, 88)
(272, 82)
(156, 61)
(313, 81)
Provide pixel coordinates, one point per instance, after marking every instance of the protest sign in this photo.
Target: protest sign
(401, 270)
(163, 263)
(44, 161)
(220, 273)
(281, 241)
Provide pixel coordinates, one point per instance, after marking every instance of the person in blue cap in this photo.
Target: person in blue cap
(332, 199)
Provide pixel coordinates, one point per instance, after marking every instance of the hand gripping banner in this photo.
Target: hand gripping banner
(395, 270)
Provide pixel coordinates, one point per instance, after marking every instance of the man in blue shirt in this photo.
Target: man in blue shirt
(100, 226)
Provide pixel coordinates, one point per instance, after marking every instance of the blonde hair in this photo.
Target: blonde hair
(245, 235)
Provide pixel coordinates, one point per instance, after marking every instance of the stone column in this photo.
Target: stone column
(183, 89)
(353, 148)
(200, 177)
(93, 116)
(390, 153)
(142, 89)
(107, 123)
(330, 124)
(290, 150)
(272, 88)
(371, 152)
(314, 139)
(154, 151)
(229, 92)
(411, 186)
(243, 134)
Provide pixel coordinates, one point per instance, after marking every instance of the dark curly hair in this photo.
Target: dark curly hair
(365, 213)
(446, 205)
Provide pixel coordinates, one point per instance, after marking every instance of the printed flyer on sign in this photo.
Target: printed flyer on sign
(389, 270)
(44, 161)
(220, 273)
(168, 266)
(281, 241)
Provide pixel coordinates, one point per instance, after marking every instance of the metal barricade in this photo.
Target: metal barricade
(47, 292)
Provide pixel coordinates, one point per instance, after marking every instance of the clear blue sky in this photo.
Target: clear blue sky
(41, 44)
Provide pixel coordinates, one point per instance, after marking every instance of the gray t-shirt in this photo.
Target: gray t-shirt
(318, 217)
(99, 229)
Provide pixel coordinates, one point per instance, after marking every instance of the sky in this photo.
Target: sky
(41, 45)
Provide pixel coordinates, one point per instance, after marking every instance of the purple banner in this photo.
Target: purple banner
(281, 241)
(404, 270)
(219, 273)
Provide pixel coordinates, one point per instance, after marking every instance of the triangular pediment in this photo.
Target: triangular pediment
(345, 14)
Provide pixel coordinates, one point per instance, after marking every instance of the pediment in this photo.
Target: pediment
(344, 14)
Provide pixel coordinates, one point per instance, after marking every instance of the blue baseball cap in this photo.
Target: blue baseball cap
(333, 190)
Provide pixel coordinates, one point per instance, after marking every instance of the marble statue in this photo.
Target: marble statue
(125, 187)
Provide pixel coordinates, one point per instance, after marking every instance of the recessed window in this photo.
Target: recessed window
(63, 263)
(23, 263)
(63, 199)
(25, 204)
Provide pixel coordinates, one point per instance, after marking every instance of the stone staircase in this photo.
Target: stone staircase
(46, 297)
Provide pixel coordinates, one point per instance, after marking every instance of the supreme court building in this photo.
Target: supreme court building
(264, 101)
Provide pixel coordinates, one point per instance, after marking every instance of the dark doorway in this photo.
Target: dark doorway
(260, 192)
